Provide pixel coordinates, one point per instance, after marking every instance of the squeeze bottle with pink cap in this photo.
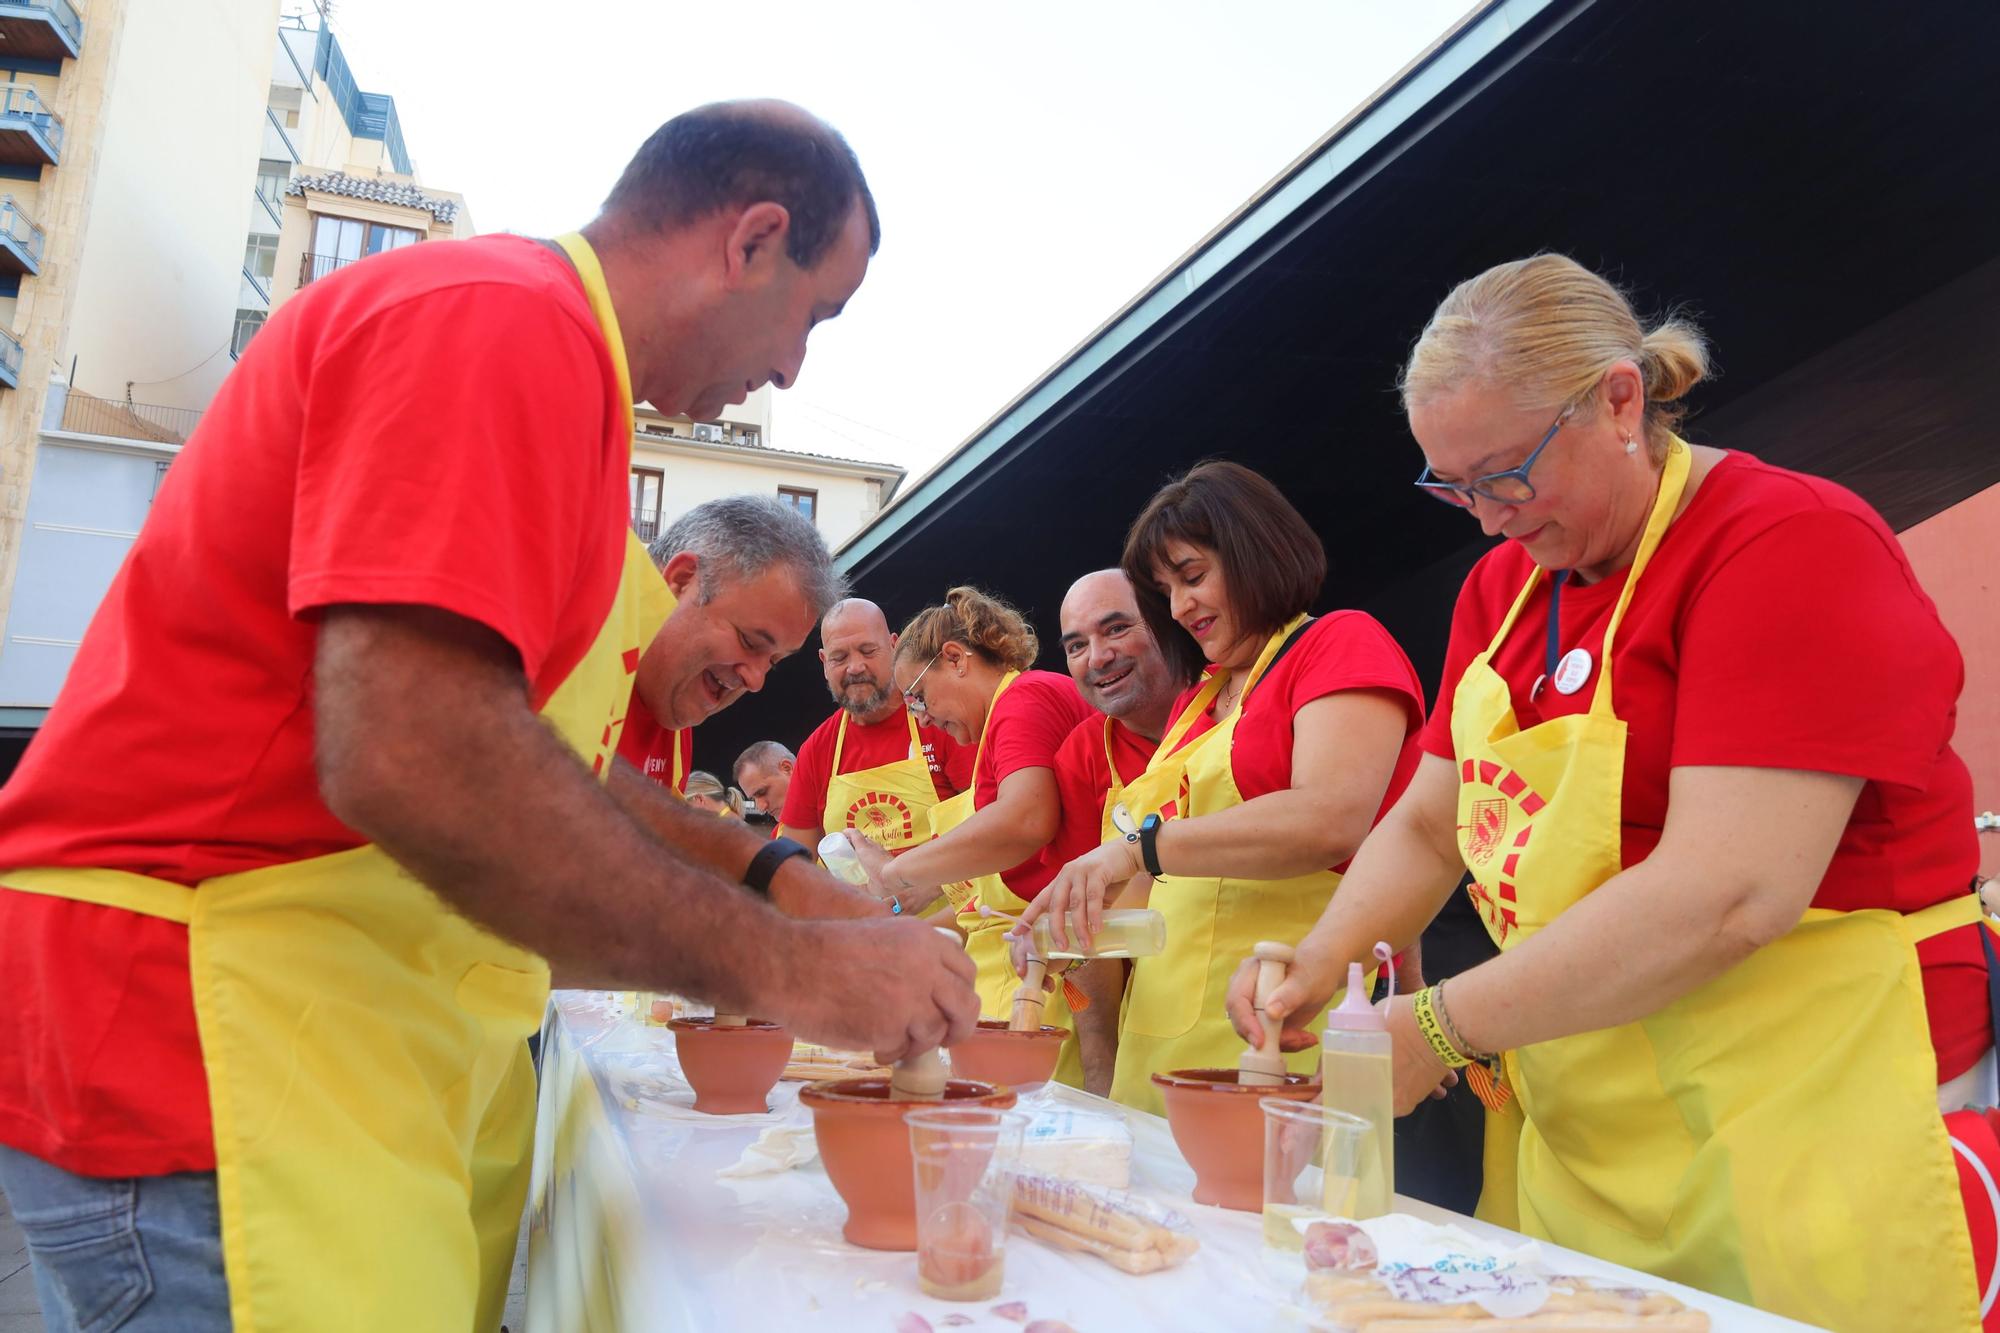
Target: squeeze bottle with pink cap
(1358, 1078)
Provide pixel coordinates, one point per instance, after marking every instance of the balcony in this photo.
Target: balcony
(29, 131)
(10, 360)
(86, 415)
(20, 239)
(646, 522)
(314, 267)
(41, 29)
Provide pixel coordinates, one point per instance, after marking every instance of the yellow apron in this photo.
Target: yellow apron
(890, 803)
(1174, 1014)
(1774, 1136)
(1107, 827)
(986, 937)
(366, 1046)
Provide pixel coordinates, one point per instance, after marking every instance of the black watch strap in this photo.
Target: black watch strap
(764, 865)
(1149, 846)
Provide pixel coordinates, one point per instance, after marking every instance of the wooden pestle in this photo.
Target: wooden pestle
(1264, 1064)
(921, 1077)
(729, 1021)
(1028, 1001)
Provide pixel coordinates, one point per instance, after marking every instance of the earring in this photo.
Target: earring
(1631, 445)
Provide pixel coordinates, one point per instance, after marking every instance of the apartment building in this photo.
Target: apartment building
(168, 173)
(678, 462)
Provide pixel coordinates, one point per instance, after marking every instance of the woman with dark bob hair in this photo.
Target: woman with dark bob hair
(1300, 732)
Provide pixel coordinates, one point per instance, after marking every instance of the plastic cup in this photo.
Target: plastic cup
(1312, 1166)
(964, 1158)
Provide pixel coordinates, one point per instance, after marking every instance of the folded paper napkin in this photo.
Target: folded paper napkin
(779, 1148)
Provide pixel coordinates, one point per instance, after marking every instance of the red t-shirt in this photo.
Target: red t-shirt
(1778, 626)
(1342, 650)
(649, 747)
(1084, 777)
(871, 746)
(1028, 724)
(433, 427)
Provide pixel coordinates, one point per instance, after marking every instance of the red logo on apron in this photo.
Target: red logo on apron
(881, 816)
(1488, 827)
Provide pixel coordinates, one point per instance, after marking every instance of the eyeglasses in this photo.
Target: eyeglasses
(914, 700)
(1511, 487)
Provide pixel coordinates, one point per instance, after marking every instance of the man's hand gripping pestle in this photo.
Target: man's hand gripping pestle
(920, 1078)
(1264, 1066)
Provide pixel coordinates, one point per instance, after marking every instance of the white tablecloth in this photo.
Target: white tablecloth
(632, 1229)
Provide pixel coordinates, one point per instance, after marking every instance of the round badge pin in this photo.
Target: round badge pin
(1572, 671)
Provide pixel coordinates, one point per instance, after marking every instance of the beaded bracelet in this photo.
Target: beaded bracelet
(1451, 1029)
(1423, 1006)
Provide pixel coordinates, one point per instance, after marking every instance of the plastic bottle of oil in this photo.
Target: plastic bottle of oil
(1358, 1078)
(840, 859)
(1127, 932)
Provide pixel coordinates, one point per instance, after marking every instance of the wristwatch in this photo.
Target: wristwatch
(764, 865)
(1149, 845)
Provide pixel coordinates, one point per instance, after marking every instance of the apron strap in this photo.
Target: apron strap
(1111, 762)
(1673, 484)
(108, 888)
(984, 728)
(598, 293)
(916, 737)
(839, 743)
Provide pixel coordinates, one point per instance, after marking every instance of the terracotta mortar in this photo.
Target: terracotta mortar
(866, 1148)
(1219, 1128)
(732, 1069)
(996, 1054)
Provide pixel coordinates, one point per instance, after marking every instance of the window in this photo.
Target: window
(260, 256)
(272, 177)
(339, 241)
(247, 324)
(291, 117)
(806, 502)
(648, 485)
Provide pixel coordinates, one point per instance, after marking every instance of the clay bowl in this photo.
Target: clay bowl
(996, 1054)
(1219, 1128)
(731, 1069)
(866, 1148)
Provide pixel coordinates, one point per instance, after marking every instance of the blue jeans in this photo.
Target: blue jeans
(141, 1254)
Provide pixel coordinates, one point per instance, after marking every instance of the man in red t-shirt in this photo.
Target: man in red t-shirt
(870, 766)
(326, 782)
(747, 574)
(1120, 671)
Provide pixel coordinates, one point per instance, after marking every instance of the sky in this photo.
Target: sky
(1036, 165)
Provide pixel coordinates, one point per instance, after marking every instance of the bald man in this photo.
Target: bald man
(1121, 672)
(870, 766)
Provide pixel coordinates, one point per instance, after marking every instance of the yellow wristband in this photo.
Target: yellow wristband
(1427, 1023)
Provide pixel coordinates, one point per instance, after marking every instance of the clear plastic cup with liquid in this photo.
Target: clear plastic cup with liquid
(1314, 1160)
(964, 1158)
(841, 861)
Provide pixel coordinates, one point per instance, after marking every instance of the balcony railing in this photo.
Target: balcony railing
(10, 360)
(261, 286)
(43, 29)
(20, 239)
(88, 415)
(314, 267)
(646, 522)
(271, 208)
(29, 130)
(284, 135)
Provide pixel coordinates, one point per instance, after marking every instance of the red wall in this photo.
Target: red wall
(1957, 558)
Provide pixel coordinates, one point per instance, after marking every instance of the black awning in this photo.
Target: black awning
(1818, 185)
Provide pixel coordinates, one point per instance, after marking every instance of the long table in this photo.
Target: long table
(631, 1228)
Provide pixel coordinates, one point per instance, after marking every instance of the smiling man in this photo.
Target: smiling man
(1120, 671)
(749, 577)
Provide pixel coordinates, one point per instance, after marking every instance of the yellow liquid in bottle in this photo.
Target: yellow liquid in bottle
(1361, 1083)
